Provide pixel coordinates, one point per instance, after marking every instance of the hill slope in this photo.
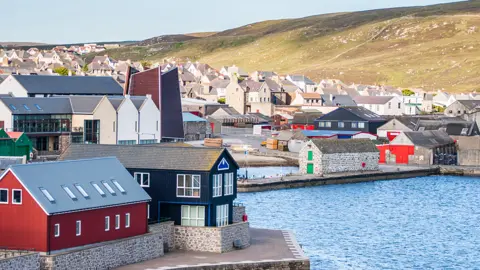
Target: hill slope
(433, 47)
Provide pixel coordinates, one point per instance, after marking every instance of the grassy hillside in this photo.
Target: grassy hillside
(432, 47)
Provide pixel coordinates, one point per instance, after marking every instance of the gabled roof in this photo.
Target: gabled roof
(470, 104)
(31, 105)
(332, 146)
(360, 112)
(288, 86)
(116, 101)
(428, 139)
(66, 85)
(338, 100)
(301, 78)
(251, 85)
(84, 104)
(272, 85)
(138, 101)
(153, 156)
(305, 117)
(219, 83)
(372, 99)
(451, 127)
(53, 176)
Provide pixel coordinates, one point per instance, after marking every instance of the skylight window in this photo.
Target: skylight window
(115, 182)
(47, 194)
(13, 107)
(421, 129)
(38, 107)
(108, 187)
(81, 190)
(97, 187)
(69, 192)
(26, 107)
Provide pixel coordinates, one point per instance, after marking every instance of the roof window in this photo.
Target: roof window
(108, 187)
(38, 107)
(97, 187)
(69, 192)
(421, 129)
(13, 107)
(81, 190)
(115, 182)
(47, 194)
(26, 107)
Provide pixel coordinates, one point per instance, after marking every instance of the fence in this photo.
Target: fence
(235, 131)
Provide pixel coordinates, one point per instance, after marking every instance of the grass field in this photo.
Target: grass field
(434, 47)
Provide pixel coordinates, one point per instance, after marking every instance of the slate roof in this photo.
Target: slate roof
(66, 85)
(116, 101)
(153, 156)
(84, 104)
(53, 105)
(451, 127)
(471, 104)
(288, 86)
(138, 101)
(272, 85)
(306, 117)
(429, 139)
(68, 173)
(219, 83)
(338, 100)
(302, 78)
(372, 99)
(333, 146)
(364, 113)
(252, 85)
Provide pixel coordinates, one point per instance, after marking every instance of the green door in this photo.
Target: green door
(309, 168)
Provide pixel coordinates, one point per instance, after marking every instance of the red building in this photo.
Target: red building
(53, 206)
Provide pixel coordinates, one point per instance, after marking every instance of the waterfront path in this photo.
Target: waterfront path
(266, 245)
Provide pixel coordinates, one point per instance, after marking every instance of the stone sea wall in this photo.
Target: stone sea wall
(25, 261)
(238, 212)
(167, 231)
(108, 255)
(350, 162)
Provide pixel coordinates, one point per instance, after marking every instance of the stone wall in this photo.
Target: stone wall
(107, 255)
(167, 231)
(196, 130)
(303, 159)
(350, 162)
(238, 212)
(468, 150)
(26, 261)
(212, 239)
(287, 264)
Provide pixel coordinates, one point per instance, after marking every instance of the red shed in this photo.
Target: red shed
(53, 206)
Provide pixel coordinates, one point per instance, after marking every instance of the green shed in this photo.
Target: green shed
(15, 144)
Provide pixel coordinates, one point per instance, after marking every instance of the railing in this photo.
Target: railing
(162, 219)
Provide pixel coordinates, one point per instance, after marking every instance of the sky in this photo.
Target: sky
(60, 21)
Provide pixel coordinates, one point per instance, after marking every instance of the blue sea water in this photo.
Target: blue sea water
(418, 223)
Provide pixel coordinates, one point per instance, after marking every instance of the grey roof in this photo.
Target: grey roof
(332, 146)
(306, 117)
(84, 104)
(470, 104)
(138, 101)
(187, 76)
(31, 105)
(70, 85)
(338, 100)
(267, 74)
(302, 78)
(219, 83)
(285, 135)
(450, 126)
(154, 156)
(351, 92)
(116, 101)
(429, 139)
(364, 113)
(372, 99)
(288, 86)
(272, 85)
(253, 86)
(330, 91)
(83, 172)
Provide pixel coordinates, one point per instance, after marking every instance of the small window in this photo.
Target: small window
(354, 125)
(47, 194)
(228, 184)
(127, 220)
(57, 230)
(107, 223)
(16, 196)
(310, 155)
(464, 131)
(148, 211)
(114, 126)
(341, 124)
(115, 182)
(399, 105)
(13, 107)
(81, 190)
(69, 192)
(361, 125)
(321, 124)
(108, 187)
(157, 125)
(136, 126)
(143, 179)
(26, 107)
(78, 228)
(117, 222)
(97, 187)
(38, 107)
(3, 196)
(328, 124)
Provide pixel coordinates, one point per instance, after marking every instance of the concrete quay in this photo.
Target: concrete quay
(299, 181)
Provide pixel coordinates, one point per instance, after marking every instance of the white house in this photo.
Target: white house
(303, 82)
(412, 104)
(307, 99)
(441, 99)
(148, 119)
(381, 105)
(126, 124)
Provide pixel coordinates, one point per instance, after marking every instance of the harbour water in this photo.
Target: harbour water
(417, 223)
(266, 172)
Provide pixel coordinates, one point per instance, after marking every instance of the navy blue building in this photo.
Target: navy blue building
(193, 186)
(356, 119)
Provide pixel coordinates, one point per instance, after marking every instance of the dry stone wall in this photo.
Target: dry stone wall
(238, 212)
(29, 261)
(212, 239)
(108, 255)
(167, 231)
(348, 162)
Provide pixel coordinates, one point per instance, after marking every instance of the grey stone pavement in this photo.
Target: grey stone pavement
(266, 245)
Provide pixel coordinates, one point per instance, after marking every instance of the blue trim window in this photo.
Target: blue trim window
(354, 125)
(217, 185)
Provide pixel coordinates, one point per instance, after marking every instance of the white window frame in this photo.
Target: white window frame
(13, 196)
(361, 125)
(56, 230)
(78, 228)
(8, 191)
(217, 185)
(328, 124)
(108, 187)
(107, 223)
(141, 178)
(228, 184)
(354, 125)
(192, 221)
(127, 220)
(321, 124)
(98, 189)
(81, 190)
(222, 215)
(117, 222)
(192, 188)
(69, 192)
(148, 211)
(341, 124)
